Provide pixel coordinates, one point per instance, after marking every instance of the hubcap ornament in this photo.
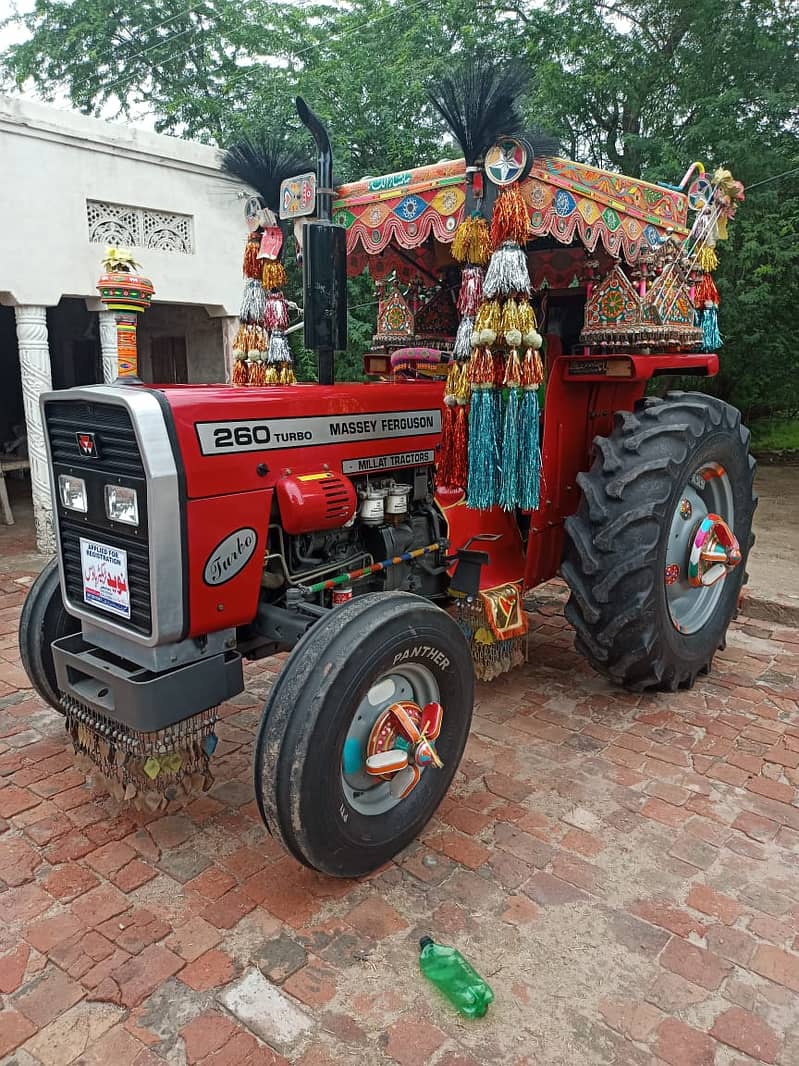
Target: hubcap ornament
(714, 552)
(401, 744)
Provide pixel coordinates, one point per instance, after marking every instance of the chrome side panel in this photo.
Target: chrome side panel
(166, 548)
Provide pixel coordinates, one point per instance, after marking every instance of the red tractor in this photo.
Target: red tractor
(204, 525)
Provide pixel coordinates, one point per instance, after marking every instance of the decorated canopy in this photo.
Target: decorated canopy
(565, 200)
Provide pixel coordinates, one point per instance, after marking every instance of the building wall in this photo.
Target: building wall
(53, 161)
(205, 358)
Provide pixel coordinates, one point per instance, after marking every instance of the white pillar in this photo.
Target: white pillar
(34, 362)
(108, 346)
(230, 327)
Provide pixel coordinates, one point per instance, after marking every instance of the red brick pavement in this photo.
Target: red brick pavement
(621, 867)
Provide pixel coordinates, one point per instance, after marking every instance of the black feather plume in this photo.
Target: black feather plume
(544, 145)
(479, 102)
(264, 160)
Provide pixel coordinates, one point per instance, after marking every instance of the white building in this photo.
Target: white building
(70, 186)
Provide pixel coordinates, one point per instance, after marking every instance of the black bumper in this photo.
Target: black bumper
(138, 698)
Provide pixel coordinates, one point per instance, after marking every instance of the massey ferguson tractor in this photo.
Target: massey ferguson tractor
(383, 533)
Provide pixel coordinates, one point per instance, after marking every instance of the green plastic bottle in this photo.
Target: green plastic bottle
(451, 973)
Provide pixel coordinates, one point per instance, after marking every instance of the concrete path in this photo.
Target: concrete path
(621, 868)
(773, 591)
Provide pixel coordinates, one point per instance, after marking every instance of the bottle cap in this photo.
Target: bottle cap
(425, 941)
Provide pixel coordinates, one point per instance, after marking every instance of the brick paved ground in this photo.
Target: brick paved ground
(622, 868)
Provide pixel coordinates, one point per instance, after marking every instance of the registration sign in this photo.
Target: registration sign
(105, 577)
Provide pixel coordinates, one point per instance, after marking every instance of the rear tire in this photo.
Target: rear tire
(43, 620)
(301, 784)
(628, 624)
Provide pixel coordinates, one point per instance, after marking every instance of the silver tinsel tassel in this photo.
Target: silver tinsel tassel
(253, 303)
(279, 350)
(507, 272)
(462, 348)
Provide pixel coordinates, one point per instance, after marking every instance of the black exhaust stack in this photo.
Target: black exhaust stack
(324, 260)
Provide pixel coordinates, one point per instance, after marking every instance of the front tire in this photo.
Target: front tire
(43, 620)
(312, 792)
(665, 467)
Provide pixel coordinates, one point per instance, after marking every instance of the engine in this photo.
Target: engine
(328, 524)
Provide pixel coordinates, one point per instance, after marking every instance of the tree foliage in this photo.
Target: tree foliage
(642, 86)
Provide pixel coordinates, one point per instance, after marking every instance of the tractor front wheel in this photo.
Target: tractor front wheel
(655, 556)
(363, 731)
(43, 620)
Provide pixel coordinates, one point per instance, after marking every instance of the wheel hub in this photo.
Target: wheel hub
(714, 552)
(400, 744)
(701, 549)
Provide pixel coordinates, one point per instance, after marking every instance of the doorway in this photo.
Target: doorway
(168, 361)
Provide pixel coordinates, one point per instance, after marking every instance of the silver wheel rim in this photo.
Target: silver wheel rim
(411, 681)
(707, 491)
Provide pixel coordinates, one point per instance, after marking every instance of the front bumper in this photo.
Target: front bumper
(141, 699)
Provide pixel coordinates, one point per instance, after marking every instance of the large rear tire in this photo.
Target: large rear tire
(311, 784)
(43, 620)
(640, 617)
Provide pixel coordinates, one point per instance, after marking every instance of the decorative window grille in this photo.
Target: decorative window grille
(139, 227)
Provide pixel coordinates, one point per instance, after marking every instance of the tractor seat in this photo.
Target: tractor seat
(419, 364)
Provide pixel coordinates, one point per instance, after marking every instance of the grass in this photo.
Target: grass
(775, 435)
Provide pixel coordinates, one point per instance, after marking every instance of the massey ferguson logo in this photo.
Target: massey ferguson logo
(87, 445)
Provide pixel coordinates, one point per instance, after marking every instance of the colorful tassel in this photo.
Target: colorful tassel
(472, 242)
(462, 348)
(279, 350)
(460, 447)
(251, 267)
(509, 472)
(481, 489)
(510, 220)
(711, 338)
(706, 292)
(471, 291)
(241, 371)
(273, 274)
(507, 272)
(529, 469)
(253, 302)
(276, 312)
(707, 260)
(445, 459)
(526, 321)
(257, 374)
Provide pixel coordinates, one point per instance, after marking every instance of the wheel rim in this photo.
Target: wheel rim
(701, 551)
(411, 683)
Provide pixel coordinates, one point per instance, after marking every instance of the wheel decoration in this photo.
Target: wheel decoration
(714, 553)
(400, 745)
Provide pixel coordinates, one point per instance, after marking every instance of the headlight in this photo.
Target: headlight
(72, 491)
(121, 504)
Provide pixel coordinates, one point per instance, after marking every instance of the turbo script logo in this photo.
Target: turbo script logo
(87, 445)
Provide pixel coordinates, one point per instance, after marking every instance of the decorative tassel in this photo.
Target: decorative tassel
(462, 348)
(251, 266)
(471, 291)
(253, 302)
(706, 292)
(241, 371)
(510, 316)
(507, 272)
(532, 373)
(460, 447)
(257, 370)
(276, 311)
(711, 338)
(707, 260)
(472, 243)
(481, 487)
(527, 321)
(273, 274)
(279, 350)
(510, 220)
(488, 320)
(445, 461)
(509, 473)
(529, 468)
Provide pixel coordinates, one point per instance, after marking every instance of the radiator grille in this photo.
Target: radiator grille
(118, 448)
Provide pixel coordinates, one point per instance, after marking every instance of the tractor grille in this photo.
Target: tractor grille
(118, 460)
(118, 447)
